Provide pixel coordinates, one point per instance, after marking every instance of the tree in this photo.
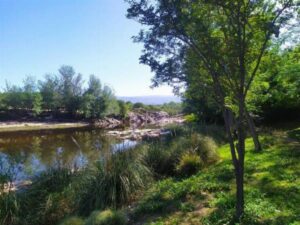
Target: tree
(29, 92)
(275, 93)
(13, 97)
(70, 88)
(109, 102)
(228, 38)
(92, 104)
(123, 109)
(49, 89)
(37, 104)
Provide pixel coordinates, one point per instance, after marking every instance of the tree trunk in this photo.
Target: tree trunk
(237, 154)
(253, 132)
(239, 191)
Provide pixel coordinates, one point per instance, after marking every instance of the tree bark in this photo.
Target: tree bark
(253, 132)
(237, 154)
(239, 191)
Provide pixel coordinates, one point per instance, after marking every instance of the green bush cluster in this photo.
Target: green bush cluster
(74, 220)
(191, 151)
(189, 164)
(106, 217)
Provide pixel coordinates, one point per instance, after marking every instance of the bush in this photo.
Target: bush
(113, 181)
(205, 146)
(162, 158)
(73, 221)
(107, 217)
(189, 164)
(191, 118)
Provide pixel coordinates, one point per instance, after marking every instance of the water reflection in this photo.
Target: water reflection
(25, 155)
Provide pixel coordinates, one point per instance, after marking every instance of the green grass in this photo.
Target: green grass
(272, 189)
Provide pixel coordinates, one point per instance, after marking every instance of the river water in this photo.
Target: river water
(23, 155)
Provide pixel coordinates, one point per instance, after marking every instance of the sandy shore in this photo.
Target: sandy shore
(23, 126)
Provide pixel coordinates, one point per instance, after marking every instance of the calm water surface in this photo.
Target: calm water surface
(24, 155)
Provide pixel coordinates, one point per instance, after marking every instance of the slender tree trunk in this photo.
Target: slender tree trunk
(241, 158)
(239, 191)
(253, 132)
(237, 154)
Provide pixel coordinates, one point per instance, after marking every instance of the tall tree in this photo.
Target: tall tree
(228, 38)
(70, 88)
(49, 89)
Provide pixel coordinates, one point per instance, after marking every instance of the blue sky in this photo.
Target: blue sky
(94, 36)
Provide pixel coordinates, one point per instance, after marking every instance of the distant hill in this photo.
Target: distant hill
(151, 99)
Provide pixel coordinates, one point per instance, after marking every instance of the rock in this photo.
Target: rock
(142, 118)
(107, 123)
(138, 134)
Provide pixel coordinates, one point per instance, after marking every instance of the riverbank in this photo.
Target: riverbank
(134, 121)
(15, 126)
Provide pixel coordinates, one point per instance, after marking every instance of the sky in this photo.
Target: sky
(93, 36)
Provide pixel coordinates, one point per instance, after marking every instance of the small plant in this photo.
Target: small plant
(107, 217)
(189, 164)
(73, 221)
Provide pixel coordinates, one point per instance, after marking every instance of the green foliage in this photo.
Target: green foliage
(163, 157)
(113, 181)
(9, 209)
(190, 118)
(47, 200)
(73, 221)
(275, 91)
(189, 164)
(124, 109)
(49, 89)
(37, 104)
(271, 189)
(62, 93)
(107, 217)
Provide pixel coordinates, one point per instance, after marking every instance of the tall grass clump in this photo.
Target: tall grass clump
(162, 158)
(191, 150)
(189, 164)
(113, 181)
(9, 204)
(48, 199)
(106, 217)
(204, 146)
(9, 209)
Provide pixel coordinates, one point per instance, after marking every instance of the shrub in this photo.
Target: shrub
(164, 157)
(113, 181)
(189, 164)
(73, 221)
(205, 146)
(191, 118)
(107, 217)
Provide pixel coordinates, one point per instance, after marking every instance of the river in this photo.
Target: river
(24, 155)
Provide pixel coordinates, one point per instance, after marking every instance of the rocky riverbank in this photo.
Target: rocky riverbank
(134, 121)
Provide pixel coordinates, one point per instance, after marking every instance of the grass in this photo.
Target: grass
(120, 179)
(272, 189)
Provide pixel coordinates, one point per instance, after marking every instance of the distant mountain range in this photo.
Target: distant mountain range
(151, 99)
